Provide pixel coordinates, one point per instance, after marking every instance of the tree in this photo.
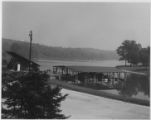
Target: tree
(129, 51)
(145, 56)
(28, 95)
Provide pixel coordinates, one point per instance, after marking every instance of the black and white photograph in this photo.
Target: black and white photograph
(75, 60)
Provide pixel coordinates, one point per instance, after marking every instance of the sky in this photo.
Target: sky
(77, 25)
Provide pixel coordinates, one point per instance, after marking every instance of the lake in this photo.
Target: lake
(47, 64)
(135, 86)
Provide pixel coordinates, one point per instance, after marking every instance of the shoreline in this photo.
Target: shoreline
(80, 105)
(74, 60)
(100, 93)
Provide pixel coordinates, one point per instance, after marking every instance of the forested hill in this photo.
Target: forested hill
(56, 53)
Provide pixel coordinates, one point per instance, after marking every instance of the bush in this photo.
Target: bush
(28, 95)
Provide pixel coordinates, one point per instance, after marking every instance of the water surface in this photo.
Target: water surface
(136, 86)
(47, 64)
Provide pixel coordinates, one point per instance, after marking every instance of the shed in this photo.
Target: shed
(20, 63)
(86, 69)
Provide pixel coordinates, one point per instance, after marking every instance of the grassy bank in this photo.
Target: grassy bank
(99, 93)
(139, 69)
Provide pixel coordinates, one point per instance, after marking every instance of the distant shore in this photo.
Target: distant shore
(78, 60)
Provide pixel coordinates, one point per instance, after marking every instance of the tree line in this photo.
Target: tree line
(57, 53)
(133, 53)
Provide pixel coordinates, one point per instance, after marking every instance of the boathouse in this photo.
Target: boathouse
(89, 74)
(20, 63)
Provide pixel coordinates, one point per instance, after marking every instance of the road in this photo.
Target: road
(85, 106)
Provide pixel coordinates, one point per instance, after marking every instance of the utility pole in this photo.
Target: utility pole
(30, 49)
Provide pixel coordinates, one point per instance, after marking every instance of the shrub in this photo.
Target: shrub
(28, 95)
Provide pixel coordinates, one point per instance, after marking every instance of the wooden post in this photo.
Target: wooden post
(119, 75)
(125, 75)
(30, 35)
(61, 70)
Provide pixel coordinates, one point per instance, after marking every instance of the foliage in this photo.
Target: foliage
(133, 53)
(48, 52)
(4, 62)
(28, 95)
(145, 56)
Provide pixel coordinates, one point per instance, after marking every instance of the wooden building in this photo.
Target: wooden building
(20, 63)
(90, 74)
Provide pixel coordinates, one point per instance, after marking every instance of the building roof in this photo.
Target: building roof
(21, 58)
(92, 68)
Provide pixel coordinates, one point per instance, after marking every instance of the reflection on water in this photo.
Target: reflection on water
(134, 85)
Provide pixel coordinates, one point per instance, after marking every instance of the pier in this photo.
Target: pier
(106, 76)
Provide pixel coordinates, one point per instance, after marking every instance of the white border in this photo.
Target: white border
(77, 1)
(121, 1)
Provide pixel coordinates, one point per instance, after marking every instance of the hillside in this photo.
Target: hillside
(56, 53)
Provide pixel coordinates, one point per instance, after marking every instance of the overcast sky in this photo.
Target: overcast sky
(93, 25)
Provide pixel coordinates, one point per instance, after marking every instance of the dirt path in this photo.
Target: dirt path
(85, 106)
